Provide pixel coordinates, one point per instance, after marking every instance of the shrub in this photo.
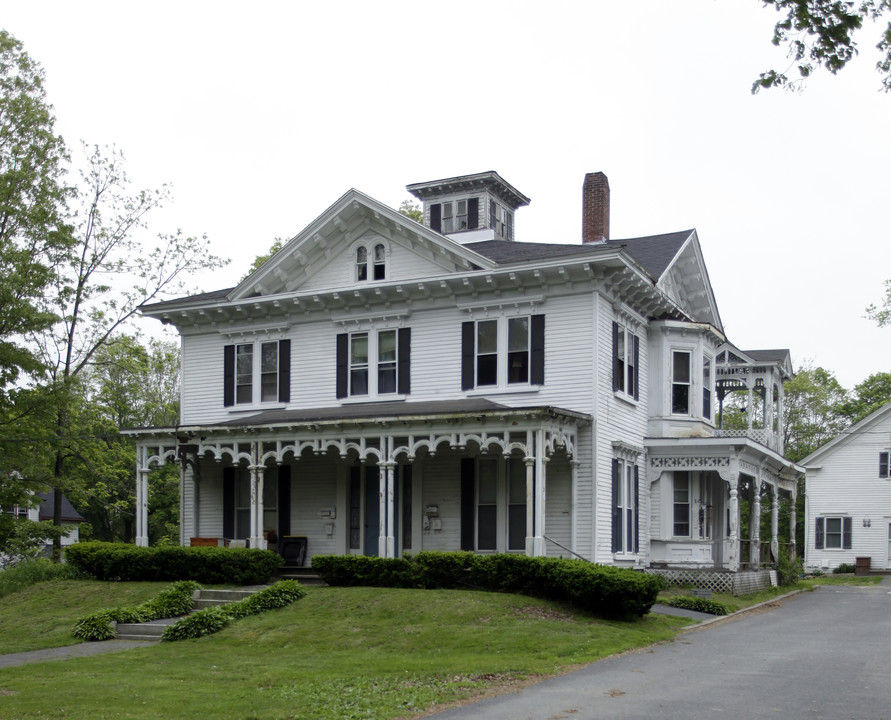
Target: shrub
(210, 565)
(198, 624)
(789, 569)
(95, 627)
(20, 576)
(843, 568)
(698, 604)
(606, 591)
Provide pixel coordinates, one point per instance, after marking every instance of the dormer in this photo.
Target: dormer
(470, 208)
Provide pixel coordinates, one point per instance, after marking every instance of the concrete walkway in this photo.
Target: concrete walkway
(70, 651)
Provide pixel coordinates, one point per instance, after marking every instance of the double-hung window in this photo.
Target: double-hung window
(453, 216)
(681, 505)
(374, 363)
(493, 504)
(624, 501)
(832, 533)
(706, 387)
(503, 351)
(680, 382)
(884, 464)
(257, 372)
(626, 361)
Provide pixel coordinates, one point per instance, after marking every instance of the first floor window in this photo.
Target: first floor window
(516, 509)
(247, 380)
(374, 363)
(884, 464)
(832, 533)
(680, 383)
(681, 505)
(625, 517)
(493, 504)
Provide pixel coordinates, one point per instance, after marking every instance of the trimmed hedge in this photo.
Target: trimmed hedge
(175, 600)
(600, 589)
(210, 565)
(698, 604)
(213, 619)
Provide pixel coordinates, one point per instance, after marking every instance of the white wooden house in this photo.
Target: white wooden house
(382, 386)
(848, 497)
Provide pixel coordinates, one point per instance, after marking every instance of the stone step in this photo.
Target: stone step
(149, 631)
(304, 575)
(206, 598)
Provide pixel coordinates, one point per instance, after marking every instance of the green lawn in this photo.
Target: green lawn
(338, 653)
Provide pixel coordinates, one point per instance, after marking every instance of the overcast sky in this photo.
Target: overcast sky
(261, 118)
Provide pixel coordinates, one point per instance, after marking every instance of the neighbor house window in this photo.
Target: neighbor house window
(884, 464)
(680, 383)
(502, 352)
(626, 361)
(832, 533)
(624, 502)
(257, 372)
(374, 364)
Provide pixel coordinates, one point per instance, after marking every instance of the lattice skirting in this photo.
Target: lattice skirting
(738, 583)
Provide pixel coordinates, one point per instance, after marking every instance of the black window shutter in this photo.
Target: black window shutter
(229, 502)
(468, 467)
(818, 535)
(343, 342)
(538, 350)
(473, 213)
(284, 502)
(284, 371)
(636, 507)
(617, 513)
(436, 217)
(228, 375)
(491, 215)
(846, 533)
(510, 224)
(467, 355)
(616, 365)
(636, 367)
(884, 464)
(404, 369)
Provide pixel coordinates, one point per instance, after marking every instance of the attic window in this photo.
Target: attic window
(455, 215)
(371, 262)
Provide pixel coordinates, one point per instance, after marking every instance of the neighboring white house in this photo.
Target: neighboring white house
(381, 386)
(848, 496)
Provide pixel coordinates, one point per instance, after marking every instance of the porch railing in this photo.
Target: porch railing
(760, 435)
(766, 560)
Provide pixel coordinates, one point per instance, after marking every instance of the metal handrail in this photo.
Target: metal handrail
(563, 547)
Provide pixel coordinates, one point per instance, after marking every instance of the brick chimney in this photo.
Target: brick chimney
(595, 208)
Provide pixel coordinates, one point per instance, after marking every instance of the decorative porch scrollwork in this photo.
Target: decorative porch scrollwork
(667, 463)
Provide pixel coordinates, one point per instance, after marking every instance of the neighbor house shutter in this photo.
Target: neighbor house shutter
(818, 534)
(228, 375)
(636, 367)
(403, 371)
(436, 217)
(284, 502)
(229, 502)
(617, 513)
(617, 370)
(636, 508)
(884, 464)
(536, 376)
(343, 348)
(846, 533)
(467, 356)
(468, 467)
(473, 213)
(284, 371)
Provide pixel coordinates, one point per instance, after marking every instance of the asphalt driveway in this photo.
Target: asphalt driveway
(821, 654)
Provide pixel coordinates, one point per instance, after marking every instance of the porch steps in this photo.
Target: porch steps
(304, 575)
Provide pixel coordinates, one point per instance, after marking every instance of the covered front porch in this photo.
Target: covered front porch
(718, 504)
(379, 479)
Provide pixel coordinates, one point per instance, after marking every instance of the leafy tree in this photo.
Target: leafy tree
(867, 397)
(412, 210)
(812, 411)
(260, 260)
(108, 249)
(820, 33)
(881, 315)
(33, 234)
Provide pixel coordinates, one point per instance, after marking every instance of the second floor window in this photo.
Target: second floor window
(257, 372)
(680, 383)
(502, 351)
(626, 361)
(707, 387)
(374, 363)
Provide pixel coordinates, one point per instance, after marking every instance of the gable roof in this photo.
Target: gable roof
(69, 514)
(655, 252)
(847, 435)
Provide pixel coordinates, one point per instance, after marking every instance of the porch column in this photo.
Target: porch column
(755, 527)
(793, 521)
(387, 538)
(142, 507)
(530, 506)
(538, 541)
(733, 554)
(256, 483)
(775, 525)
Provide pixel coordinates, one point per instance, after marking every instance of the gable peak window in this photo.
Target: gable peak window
(371, 262)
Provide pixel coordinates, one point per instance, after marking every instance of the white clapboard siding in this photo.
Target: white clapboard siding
(441, 486)
(558, 507)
